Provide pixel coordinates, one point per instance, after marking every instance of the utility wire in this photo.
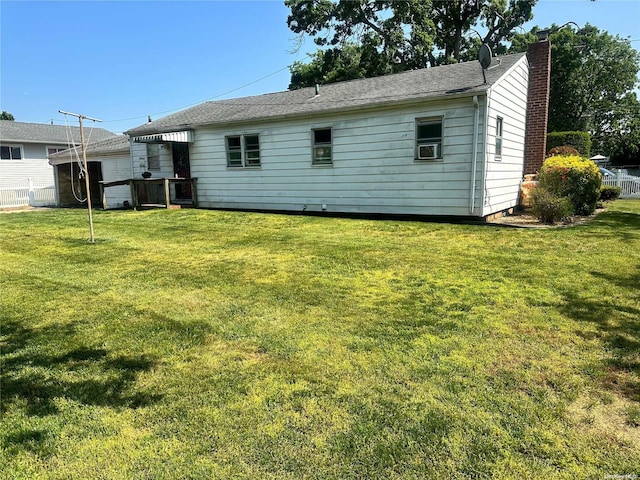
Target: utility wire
(231, 91)
(198, 103)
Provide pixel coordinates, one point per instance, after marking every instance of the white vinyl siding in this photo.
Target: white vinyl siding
(508, 101)
(115, 167)
(140, 160)
(374, 168)
(34, 164)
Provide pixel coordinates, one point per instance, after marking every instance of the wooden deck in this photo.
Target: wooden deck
(155, 192)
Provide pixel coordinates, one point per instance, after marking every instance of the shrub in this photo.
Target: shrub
(574, 177)
(581, 141)
(563, 151)
(548, 207)
(609, 192)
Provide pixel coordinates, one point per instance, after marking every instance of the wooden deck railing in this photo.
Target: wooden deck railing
(151, 199)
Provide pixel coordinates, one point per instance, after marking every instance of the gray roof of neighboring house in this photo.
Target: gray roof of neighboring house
(23, 132)
(108, 146)
(414, 85)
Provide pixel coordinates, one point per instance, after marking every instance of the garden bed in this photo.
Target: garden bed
(526, 219)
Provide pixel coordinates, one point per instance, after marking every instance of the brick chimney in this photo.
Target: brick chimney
(535, 142)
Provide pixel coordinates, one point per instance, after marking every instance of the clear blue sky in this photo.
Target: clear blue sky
(121, 61)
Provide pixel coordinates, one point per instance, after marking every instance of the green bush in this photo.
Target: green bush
(581, 141)
(609, 192)
(548, 207)
(574, 177)
(562, 150)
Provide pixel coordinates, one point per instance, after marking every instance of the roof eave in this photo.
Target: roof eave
(39, 142)
(480, 90)
(65, 157)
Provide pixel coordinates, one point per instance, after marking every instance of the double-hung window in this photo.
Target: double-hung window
(322, 147)
(10, 152)
(498, 137)
(243, 151)
(251, 151)
(153, 156)
(429, 138)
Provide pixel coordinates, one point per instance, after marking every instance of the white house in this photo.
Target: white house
(25, 148)
(448, 140)
(107, 160)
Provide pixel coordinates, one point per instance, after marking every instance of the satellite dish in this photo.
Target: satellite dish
(484, 56)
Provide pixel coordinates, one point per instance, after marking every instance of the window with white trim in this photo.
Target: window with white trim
(153, 156)
(243, 150)
(11, 152)
(429, 139)
(52, 150)
(498, 137)
(322, 146)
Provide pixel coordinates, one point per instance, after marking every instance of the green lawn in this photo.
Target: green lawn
(205, 344)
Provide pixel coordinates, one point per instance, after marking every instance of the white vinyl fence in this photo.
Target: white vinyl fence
(629, 184)
(32, 194)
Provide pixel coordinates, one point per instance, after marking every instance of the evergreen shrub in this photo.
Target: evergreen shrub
(573, 177)
(609, 192)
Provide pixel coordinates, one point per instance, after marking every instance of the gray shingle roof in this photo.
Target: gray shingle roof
(23, 132)
(426, 83)
(111, 145)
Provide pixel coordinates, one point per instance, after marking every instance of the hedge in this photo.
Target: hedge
(609, 192)
(581, 141)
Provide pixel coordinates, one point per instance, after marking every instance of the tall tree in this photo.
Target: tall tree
(593, 76)
(454, 19)
(332, 65)
(361, 37)
(6, 116)
(377, 36)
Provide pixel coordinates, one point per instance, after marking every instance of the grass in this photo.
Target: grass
(204, 344)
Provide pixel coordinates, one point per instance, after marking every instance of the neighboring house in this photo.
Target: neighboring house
(25, 148)
(448, 140)
(107, 160)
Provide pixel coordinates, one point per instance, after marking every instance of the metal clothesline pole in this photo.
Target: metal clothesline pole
(84, 164)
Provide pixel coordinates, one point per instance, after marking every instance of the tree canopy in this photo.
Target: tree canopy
(593, 73)
(364, 38)
(6, 116)
(593, 76)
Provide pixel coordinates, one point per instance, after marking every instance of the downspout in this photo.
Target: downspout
(486, 192)
(476, 122)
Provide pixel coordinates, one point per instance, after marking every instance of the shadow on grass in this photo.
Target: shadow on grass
(87, 375)
(626, 226)
(618, 327)
(35, 441)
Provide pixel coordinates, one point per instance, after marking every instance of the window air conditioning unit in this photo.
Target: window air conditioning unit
(428, 151)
